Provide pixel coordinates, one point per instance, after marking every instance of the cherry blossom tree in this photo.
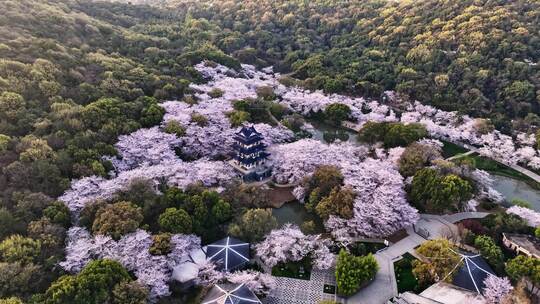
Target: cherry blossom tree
(484, 183)
(441, 124)
(208, 274)
(145, 147)
(295, 160)
(132, 251)
(176, 173)
(290, 244)
(380, 207)
(259, 283)
(496, 289)
(532, 217)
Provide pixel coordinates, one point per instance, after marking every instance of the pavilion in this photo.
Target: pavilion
(230, 294)
(228, 253)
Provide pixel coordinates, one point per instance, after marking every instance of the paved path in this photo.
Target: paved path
(384, 287)
(527, 172)
(456, 217)
(461, 155)
(472, 150)
(296, 291)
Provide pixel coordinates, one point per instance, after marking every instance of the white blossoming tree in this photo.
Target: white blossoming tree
(290, 244)
(132, 251)
(259, 283)
(496, 289)
(145, 147)
(532, 217)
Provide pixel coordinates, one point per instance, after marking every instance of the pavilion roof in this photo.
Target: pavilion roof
(228, 253)
(230, 294)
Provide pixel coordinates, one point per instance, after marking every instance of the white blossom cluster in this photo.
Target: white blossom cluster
(132, 251)
(259, 283)
(380, 208)
(532, 217)
(484, 183)
(213, 139)
(176, 173)
(442, 124)
(233, 85)
(288, 243)
(296, 160)
(463, 129)
(496, 289)
(145, 147)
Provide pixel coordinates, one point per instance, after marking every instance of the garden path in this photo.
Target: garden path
(384, 287)
(296, 291)
(516, 167)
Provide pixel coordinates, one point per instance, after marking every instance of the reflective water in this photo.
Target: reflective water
(295, 213)
(321, 128)
(512, 188)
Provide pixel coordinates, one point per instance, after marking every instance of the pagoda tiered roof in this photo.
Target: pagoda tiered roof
(255, 148)
(248, 135)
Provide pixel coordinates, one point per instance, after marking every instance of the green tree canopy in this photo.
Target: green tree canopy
(129, 293)
(94, 284)
(339, 202)
(353, 271)
(175, 221)
(435, 192)
(17, 248)
(253, 225)
(415, 157)
(58, 213)
(490, 251)
(522, 267)
(337, 112)
(392, 134)
(440, 259)
(117, 219)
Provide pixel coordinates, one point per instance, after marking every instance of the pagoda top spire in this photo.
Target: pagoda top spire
(248, 131)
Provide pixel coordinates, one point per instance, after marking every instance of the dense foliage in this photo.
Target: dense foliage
(94, 284)
(436, 192)
(440, 258)
(79, 79)
(354, 271)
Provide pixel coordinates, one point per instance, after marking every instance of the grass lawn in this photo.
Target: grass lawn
(404, 276)
(295, 270)
(449, 149)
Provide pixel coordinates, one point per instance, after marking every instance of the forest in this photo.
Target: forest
(84, 84)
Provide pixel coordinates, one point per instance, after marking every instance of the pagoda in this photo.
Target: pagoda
(250, 157)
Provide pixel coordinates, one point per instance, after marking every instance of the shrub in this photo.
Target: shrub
(352, 272)
(175, 221)
(117, 219)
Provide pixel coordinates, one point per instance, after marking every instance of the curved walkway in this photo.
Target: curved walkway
(384, 287)
(536, 177)
(472, 150)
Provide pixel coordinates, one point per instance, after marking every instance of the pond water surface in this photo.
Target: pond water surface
(295, 213)
(321, 128)
(513, 188)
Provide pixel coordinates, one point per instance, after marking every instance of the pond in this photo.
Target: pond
(321, 128)
(295, 213)
(513, 188)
